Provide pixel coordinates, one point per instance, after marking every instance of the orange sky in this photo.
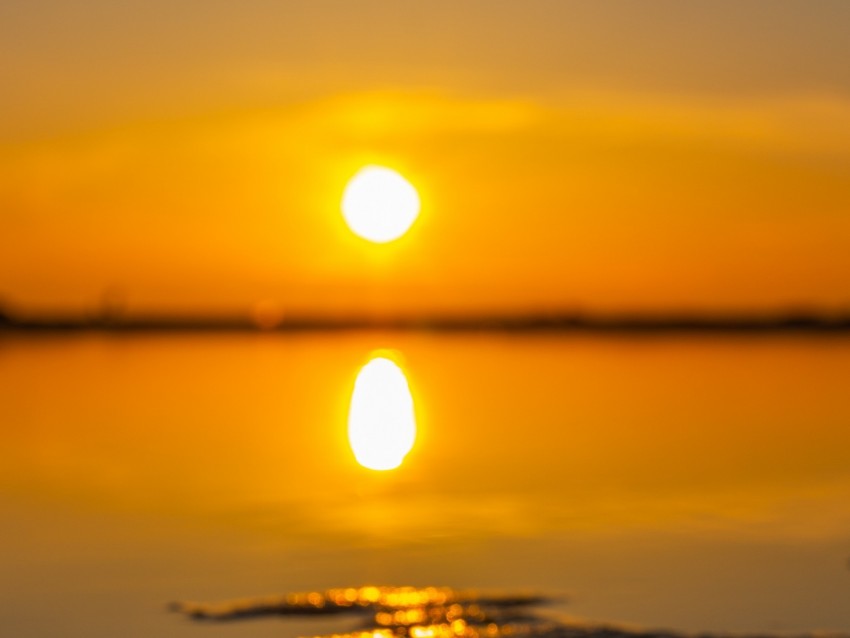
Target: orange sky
(611, 155)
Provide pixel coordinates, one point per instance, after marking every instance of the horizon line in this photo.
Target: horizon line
(628, 322)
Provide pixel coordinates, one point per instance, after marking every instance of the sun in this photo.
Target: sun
(379, 204)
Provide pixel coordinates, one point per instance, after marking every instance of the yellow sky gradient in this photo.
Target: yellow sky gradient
(567, 156)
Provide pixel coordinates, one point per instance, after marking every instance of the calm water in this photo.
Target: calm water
(690, 483)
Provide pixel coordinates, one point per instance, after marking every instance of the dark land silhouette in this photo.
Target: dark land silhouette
(628, 322)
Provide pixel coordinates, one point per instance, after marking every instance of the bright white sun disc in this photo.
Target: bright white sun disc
(379, 204)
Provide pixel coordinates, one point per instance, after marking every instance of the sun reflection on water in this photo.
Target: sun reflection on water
(381, 420)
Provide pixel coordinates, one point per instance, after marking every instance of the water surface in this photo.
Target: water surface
(683, 482)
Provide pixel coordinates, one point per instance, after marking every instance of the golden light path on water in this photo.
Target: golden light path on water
(381, 419)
